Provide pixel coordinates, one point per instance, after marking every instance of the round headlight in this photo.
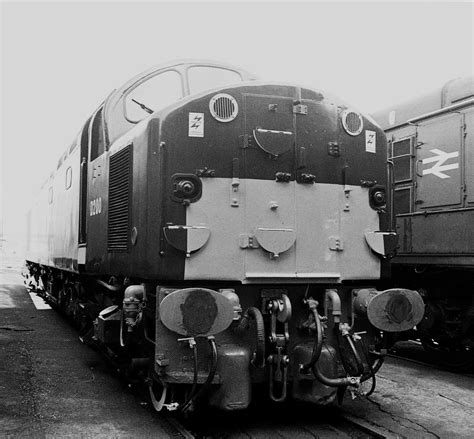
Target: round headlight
(378, 197)
(186, 187)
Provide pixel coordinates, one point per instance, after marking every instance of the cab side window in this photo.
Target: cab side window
(152, 95)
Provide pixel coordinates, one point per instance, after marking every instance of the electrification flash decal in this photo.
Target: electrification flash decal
(370, 141)
(439, 158)
(196, 125)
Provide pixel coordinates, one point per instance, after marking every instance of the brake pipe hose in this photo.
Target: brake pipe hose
(334, 382)
(373, 368)
(255, 314)
(318, 342)
(210, 377)
(360, 364)
(192, 393)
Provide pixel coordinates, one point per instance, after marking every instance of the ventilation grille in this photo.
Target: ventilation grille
(119, 200)
(223, 107)
(352, 122)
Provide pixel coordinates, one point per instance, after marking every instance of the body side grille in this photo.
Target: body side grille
(120, 189)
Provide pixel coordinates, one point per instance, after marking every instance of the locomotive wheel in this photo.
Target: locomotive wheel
(455, 358)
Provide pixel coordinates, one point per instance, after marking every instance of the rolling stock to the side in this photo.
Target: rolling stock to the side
(431, 146)
(211, 232)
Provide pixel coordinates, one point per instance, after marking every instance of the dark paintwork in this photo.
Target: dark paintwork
(162, 148)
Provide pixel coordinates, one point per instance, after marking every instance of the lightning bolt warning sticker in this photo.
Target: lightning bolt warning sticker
(196, 125)
(370, 141)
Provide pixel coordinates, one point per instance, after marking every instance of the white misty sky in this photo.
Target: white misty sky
(60, 60)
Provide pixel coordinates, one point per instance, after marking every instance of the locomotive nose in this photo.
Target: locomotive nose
(392, 310)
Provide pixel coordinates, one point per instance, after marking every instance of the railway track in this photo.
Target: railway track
(175, 428)
(412, 351)
(286, 422)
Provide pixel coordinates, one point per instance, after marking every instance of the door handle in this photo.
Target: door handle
(417, 167)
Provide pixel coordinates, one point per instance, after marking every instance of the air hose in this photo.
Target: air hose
(318, 345)
(334, 382)
(255, 314)
(373, 369)
(355, 353)
(318, 342)
(195, 373)
(212, 371)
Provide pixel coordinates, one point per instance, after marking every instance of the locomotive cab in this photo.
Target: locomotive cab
(163, 86)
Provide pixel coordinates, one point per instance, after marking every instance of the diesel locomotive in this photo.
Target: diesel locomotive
(215, 234)
(431, 149)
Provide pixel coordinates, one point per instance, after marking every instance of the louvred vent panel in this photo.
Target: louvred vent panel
(120, 189)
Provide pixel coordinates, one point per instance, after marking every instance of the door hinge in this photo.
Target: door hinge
(248, 241)
(299, 108)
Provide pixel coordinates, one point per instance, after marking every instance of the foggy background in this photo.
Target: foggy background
(59, 61)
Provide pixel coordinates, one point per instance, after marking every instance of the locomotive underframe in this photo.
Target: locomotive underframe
(132, 336)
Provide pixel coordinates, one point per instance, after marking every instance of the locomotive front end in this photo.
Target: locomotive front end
(274, 232)
(225, 235)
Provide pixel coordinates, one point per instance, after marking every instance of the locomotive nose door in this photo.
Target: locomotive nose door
(270, 137)
(438, 165)
(269, 162)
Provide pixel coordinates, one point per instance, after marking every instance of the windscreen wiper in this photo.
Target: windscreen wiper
(143, 106)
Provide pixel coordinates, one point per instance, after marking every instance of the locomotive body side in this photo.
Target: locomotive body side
(431, 144)
(229, 238)
(54, 218)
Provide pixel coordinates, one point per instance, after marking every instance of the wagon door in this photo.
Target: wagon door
(269, 162)
(469, 154)
(438, 165)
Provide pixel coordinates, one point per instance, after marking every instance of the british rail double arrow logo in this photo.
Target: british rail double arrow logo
(439, 159)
